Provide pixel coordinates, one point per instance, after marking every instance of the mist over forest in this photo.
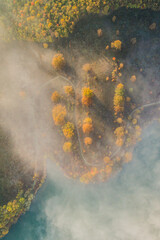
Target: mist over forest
(79, 122)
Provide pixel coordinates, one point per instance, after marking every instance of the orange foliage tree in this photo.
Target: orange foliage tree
(67, 147)
(87, 68)
(88, 177)
(87, 125)
(58, 61)
(99, 32)
(119, 142)
(133, 78)
(88, 141)
(68, 130)
(87, 95)
(55, 97)
(121, 65)
(119, 99)
(59, 113)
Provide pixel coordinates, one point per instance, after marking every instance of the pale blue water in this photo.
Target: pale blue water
(125, 208)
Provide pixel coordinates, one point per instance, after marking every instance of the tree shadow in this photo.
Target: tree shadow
(130, 22)
(101, 111)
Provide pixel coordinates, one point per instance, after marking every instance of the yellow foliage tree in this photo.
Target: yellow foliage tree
(119, 99)
(134, 121)
(119, 120)
(67, 147)
(87, 120)
(87, 95)
(58, 61)
(69, 90)
(119, 132)
(138, 130)
(116, 44)
(68, 130)
(59, 113)
(113, 18)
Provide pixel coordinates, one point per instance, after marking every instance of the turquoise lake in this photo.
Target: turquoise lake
(125, 208)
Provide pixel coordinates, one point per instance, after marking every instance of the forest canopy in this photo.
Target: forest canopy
(44, 20)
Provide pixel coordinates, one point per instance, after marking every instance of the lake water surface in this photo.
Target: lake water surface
(125, 208)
